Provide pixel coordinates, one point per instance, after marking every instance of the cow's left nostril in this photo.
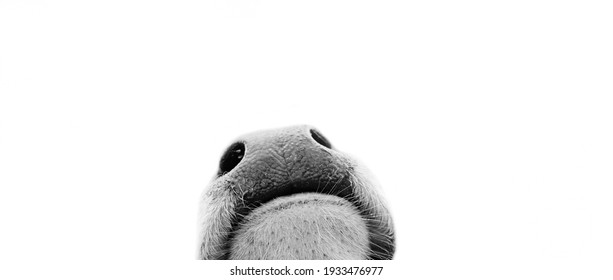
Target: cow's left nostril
(231, 158)
(319, 138)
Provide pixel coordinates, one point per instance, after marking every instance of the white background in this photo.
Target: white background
(488, 123)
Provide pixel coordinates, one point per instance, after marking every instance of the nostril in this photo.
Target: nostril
(319, 138)
(230, 159)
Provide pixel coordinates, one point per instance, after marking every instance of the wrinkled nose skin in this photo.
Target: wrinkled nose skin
(276, 161)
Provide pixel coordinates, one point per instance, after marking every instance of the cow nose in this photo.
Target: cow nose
(274, 154)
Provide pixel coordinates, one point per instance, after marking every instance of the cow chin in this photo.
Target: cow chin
(302, 226)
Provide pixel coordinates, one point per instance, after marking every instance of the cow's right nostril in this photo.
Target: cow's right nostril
(231, 158)
(319, 138)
